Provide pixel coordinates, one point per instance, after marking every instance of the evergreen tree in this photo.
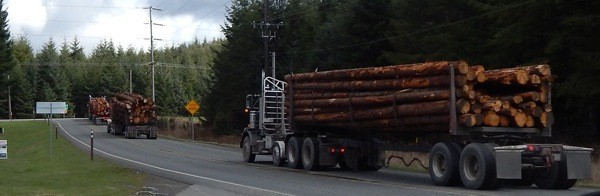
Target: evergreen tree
(111, 76)
(7, 61)
(23, 98)
(300, 26)
(47, 72)
(21, 94)
(81, 84)
(365, 30)
(237, 71)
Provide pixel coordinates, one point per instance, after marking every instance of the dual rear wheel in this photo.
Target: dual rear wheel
(303, 153)
(475, 167)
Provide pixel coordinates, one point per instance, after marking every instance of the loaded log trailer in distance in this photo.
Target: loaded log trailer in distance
(98, 110)
(132, 115)
(477, 130)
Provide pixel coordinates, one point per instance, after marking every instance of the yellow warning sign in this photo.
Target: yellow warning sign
(192, 107)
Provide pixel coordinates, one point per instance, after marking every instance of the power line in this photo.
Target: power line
(65, 21)
(160, 4)
(86, 6)
(88, 64)
(180, 7)
(306, 10)
(200, 18)
(50, 35)
(414, 32)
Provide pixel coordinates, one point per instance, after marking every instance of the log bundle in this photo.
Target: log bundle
(515, 97)
(99, 106)
(417, 97)
(132, 109)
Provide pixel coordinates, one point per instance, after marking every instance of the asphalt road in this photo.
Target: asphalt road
(218, 170)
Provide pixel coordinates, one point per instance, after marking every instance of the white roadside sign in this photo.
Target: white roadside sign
(50, 107)
(3, 149)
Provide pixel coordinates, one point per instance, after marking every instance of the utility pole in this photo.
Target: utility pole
(273, 64)
(130, 83)
(152, 62)
(9, 101)
(267, 35)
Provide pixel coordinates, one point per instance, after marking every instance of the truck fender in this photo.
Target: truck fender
(253, 138)
(282, 147)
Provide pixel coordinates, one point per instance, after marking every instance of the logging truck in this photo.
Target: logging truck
(477, 125)
(98, 110)
(132, 115)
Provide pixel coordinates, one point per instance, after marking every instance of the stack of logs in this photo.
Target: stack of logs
(416, 97)
(99, 106)
(131, 108)
(510, 97)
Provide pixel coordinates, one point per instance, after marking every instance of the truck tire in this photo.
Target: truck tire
(527, 179)
(277, 160)
(247, 151)
(151, 135)
(477, 167)
(310, 154)
(555, 177)
(343, 164)
(375, 159)
(293, 149)
(443, 164)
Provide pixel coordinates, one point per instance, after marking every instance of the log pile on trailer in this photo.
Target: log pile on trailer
(99, 106)
(513, 97)
(133, 109)
(417, 97)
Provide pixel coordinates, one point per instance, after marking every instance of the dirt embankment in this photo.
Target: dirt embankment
(180, 128)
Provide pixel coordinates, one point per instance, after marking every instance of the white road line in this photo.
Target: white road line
(173, 171)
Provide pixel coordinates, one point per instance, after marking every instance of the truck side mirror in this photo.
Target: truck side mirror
(248, 101)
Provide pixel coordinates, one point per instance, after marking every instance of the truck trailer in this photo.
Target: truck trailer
(478, 125)
(132, 115)
(98, 110)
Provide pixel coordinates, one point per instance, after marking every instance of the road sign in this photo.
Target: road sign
(192, 107)
(50, 107)
(3, 149)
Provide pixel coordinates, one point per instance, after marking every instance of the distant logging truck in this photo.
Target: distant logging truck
(132, 115)
(98, 110)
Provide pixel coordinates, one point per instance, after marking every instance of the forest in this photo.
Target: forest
(323, 35)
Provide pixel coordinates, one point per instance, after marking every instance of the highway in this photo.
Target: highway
(205, 169)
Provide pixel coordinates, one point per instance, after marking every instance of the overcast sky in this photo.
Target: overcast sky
(92, 21)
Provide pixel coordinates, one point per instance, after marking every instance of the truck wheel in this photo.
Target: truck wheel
(443, 164)
(247, 151)
(375, 160)
(343, 164)
(151, 136)
(478, 167)
(293, 153)
(108, 128)
(277, 160)
(555, 177)
(527, 179)
(310, 154)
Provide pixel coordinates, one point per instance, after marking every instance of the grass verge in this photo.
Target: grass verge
(31, 168)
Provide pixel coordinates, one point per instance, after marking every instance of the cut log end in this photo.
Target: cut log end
(462, 67)
(490, 118)
(463, 106)
(520, 119)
